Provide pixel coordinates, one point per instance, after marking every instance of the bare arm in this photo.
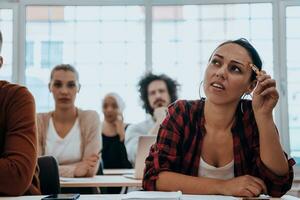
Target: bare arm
(85, 168)
(190, 185)
(271, 152)
(265, 98)
(248, 186)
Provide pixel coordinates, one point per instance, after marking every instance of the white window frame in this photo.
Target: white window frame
(15, 52)
(283, 73)
(25, 3)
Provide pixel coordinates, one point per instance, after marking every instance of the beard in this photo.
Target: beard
(159, 103)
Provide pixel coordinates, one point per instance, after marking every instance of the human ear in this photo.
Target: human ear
(79, 86)
(49, 87)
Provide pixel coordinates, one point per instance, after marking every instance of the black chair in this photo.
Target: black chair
(49, 175)
(103, 190)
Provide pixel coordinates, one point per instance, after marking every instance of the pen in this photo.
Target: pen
(255, 69)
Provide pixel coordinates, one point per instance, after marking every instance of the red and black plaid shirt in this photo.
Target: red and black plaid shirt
(179, 143)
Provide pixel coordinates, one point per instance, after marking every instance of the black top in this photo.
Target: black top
(114, 154)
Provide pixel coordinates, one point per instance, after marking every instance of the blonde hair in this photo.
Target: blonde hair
(64, 67)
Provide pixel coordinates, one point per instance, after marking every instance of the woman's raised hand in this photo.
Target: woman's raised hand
(265, 95)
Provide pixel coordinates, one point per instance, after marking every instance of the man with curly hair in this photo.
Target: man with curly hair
(156, 93)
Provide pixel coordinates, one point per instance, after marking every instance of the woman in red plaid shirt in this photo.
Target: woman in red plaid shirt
(223, 144)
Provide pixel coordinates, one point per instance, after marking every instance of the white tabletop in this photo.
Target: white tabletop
(119, 197)
(101, 181)
(117, 171)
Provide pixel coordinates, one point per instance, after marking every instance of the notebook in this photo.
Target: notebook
(143, 149)
(138, 195)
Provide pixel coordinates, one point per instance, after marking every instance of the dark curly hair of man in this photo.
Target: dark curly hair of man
(145, 81)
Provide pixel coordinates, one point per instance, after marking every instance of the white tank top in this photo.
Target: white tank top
(66, 150)
(206, 170)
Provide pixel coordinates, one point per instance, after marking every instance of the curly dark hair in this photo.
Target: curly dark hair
(145, 81)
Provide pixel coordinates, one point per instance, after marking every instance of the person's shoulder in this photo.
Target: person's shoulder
(140, 126)
(44, 115)
(12, 87)
(142, 123)
(186, 105)
(5, 85)
(18, 92)
(88, 121)
(88, 115)
(187, 102)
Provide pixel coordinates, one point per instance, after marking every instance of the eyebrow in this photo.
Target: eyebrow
(218, 55)
(58, 80)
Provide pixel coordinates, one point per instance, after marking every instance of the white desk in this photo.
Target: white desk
(118, 171)
(101, 181)
(119, 197)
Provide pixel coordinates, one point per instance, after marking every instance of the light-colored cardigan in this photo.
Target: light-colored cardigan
(91, 143)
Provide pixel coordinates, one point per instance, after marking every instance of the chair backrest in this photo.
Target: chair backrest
(49, 175)
(103, 190)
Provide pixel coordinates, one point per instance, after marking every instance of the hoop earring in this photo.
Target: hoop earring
(247, 95)
(244, 97)
(200, 85)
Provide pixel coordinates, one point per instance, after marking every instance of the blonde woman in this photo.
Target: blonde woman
(68, 133)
